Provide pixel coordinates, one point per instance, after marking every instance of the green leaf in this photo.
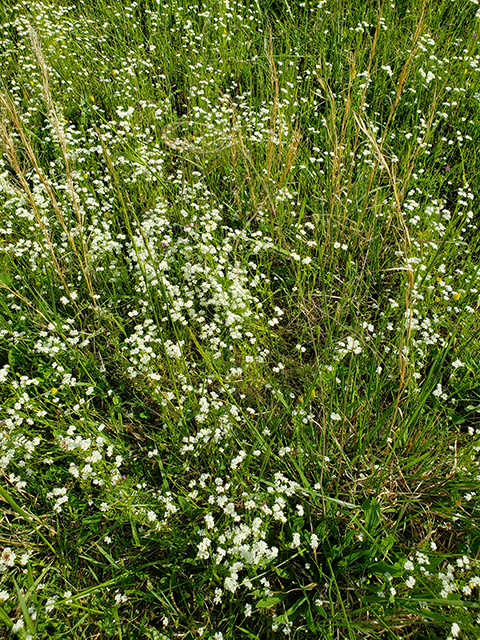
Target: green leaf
(107, 625)
(154, 634)
(426, 613)
(450, 603)
(282, 573)
(136, 539)
(185, 504)
(387, 543)
(5, 618)
(295, 606)
(106, 555)
(473, 408)
(6, 279)
(266, 603)
(23, 605)
(309, 618)
(372, 514)
(381, 568)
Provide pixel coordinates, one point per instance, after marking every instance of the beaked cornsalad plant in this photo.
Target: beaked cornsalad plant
(239, 294)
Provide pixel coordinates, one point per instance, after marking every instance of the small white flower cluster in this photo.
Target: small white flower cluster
(7, 558)
(349, 345)
(235, 539)
(439, 393)
(173, 350)
(60, 495)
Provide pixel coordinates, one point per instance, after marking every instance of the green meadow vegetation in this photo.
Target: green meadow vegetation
(239, 319)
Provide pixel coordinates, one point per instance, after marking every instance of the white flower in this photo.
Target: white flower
(4, 595)
(410, 582)
(455, 630)
(422, 558)
(19, 624)
(50, 605)
(210, 522)
(408, 565)
(4, 373)
(120, 597)
(8, 557)
(438, 390)
(296, 540)
(173, 350)
(237, 461)
(335, 416)
(203, 548)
